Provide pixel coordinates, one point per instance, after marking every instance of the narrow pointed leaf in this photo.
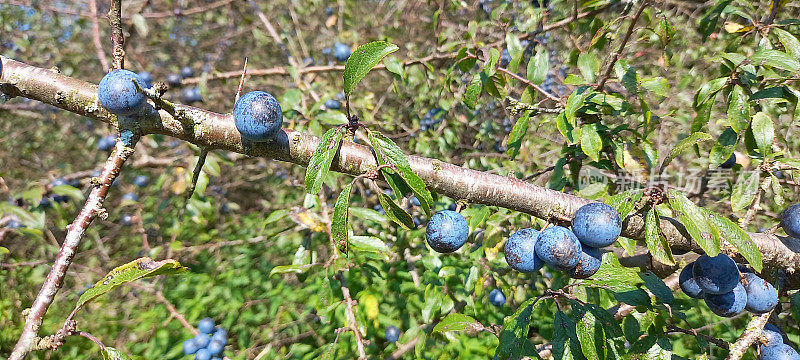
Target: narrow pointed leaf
(339, 220)
(320, 163)
(457, 322)
(658, 246)
(518, 132)
(683, 145)
(394, 212)
(387, 152)
(514, 336)
(733, 234)
(363, 60)
(745, 190)
(693, 218)
(132, 271)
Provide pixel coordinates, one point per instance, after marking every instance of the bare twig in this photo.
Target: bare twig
(55, 278)
(618, 54)
(117, 37)
(101, 55)
(351, 318)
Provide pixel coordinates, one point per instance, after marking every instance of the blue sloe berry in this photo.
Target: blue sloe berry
(727, 304)
(258, 116)
(520, 251)
(118, 95)
(202, 339)
(773, 335)
(687, 283)
(729, 163)
(392, 333)
(761, 295)
(790, 220)
(588, 264)
(447, 231)
(141, 180)
(716, 275)
(206, 325)
(779, 352)
(558, 247)
(597, 225)
(497, 298)
(174, 80)
(203, 354)
(146, 78)
(215, 347)
(187, 72)
(333, 104)
(341, 51)
(190, 347)
(130, 197)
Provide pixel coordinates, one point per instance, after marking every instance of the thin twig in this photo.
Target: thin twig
(351, 318)
(117, 37)
(101, 55)
(93, 338)
(55, 278)
(718, 342)
(621, 48)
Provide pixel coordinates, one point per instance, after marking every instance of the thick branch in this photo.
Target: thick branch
(217, 131)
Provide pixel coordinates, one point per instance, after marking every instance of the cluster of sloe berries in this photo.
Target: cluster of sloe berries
(726, 291)
(430, 119)
(209, 343)
(774, 348)
(576, 252)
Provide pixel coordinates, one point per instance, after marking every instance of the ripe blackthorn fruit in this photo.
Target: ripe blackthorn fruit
(520, 251)
(497, 298)
(333, 104)
(258, 116)
(126, 220)
(327, 51)
(191, 95)
(187, 72)
(203, 354)
(761, 295)
(597, 225)
(505, 59)
(174, 80)
(729, 303)
(341, 51)
(147, 79)
(588, 264)
(779, 352)
(220, 334)
(14, 223)
(130, 196)
(206, 325)
(558, 247)
(202, 339)
(215, 347)
(447, 231)
(141, 181)
(688, 285)
(790, 220)
(729, 163)
(392, 333)
(117, 93)
(107, 143)
(773, 335)
(59, 182)
(190, 347)
(717, 275)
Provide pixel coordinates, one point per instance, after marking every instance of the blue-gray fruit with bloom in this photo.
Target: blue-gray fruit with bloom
(187, 72)
(773, 335)
(118, 95)
(141, 180)
(520, 251)
(147, 79)
(174, 80)
(258, 116)
(206, 325)
(341, 51)
(588, 264)
(333, 104)
(687, 283)
(190, 347)
(446, 231)
(790, 220)
(716, 275)
(728, 304)
(497, 298)
(392, 333)
(597, 225)
(203, 354)
(779, 352)
(761, 295)
(558, 247)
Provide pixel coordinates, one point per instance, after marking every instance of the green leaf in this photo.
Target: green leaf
(683, 145)
(394, 212)
(723, 148)
(457, 322)
(575, 102)
(111, 353)
(591, 142)
(657, 287)
(625, 202)
(387, 152)
(775, 58)
(590, 335)
(733, 234)
(394, 65)
(708, 90)
(320, 163)
(788, 41)
(589, 66)
(132, 271)
(66, 190)
(763, 132)
(657, 244)
(565, 339)
(745, 190)
(297, 269)
(515, 50)
(538, 66)
(473, 92)
(339, 221)
(363, 60)
(490, 67)
(613, 276)
(692, 217)
(777, 190)
(709, 22)
(514, 341)
(518, 132)
(738, 109)
(332, 118)
(370, 244)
